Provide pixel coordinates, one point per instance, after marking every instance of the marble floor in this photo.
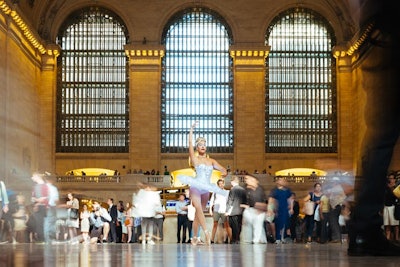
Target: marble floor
(185, 255)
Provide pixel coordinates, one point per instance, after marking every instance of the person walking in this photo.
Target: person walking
(159, 221)
(253, 230)
(145, 203)
(40, 200)
(217, 211)
(381, 81)
(315, 197)
(235, 204)
(50, 221)
(3, 205)
(278, 205)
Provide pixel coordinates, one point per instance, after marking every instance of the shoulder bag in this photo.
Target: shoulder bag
(191, 211)
(317, 216)
(309, 206)
(73, 214)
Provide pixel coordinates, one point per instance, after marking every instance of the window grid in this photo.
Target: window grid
(92, 94)
(301, 85)
(197, 82)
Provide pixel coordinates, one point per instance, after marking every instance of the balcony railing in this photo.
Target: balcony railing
(157, 180)
(162, 181)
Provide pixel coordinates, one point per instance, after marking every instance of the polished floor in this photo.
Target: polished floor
(185, 255)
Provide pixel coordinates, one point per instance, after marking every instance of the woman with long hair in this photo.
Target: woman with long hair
(72, 222)
(314, 196)
(129, 222)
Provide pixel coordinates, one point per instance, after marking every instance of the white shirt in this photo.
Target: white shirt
(218, 201)
(53, 195)
(159, 208)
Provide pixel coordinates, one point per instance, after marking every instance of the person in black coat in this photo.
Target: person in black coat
(294, 218)
(112, 210)
(380, 68)
(234, 208)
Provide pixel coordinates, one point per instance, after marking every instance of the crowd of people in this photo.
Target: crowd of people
(250, 216)
(49, 219)
(247, 213)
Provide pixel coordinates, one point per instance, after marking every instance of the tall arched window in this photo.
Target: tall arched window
(197, 81)
(301, 84)
(92, 91)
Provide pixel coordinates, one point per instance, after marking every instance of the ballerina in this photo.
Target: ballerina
(200, 185)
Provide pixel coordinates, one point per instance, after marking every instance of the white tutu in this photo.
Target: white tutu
(202, 180)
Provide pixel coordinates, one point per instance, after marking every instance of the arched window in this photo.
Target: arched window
(92, 91)
(300, 84)
(197, 81)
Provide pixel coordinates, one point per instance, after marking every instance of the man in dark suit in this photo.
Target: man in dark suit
(112, 210)
(234, 208)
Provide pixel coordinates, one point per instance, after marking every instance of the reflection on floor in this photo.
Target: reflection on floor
(183, 255)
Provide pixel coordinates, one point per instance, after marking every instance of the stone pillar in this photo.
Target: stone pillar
(249, 102)
(144, 99)
(350, 101)
(47, 118)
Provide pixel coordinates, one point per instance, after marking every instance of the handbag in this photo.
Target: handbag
(127, 221)
(191, 211)
(396, 191)
(74, 214)
(317, 216)
(308, 208)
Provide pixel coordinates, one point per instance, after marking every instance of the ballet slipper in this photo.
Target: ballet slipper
(208, 238)
(194, 241)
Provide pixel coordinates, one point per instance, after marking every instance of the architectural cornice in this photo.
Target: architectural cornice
(249, 58)
(144, 51)
(25, 30)
(355, 46)
(248, 52)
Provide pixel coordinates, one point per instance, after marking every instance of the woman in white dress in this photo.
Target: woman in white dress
(201, 186)
(129, 222)
(85, 224)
